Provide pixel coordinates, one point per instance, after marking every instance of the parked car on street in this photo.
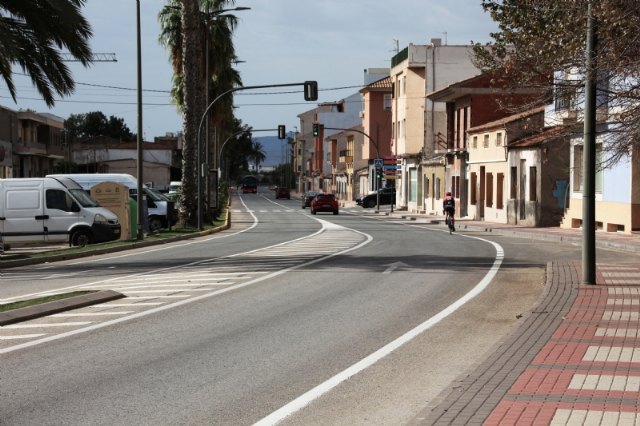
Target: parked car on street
(387, 196)
(324, 202)
(307, 197)
(282, 192)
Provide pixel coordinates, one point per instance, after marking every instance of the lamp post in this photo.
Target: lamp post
(310, 94)
(140, 158)
(375, 144)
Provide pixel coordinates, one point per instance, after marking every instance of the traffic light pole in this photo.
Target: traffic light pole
(310, 94)
(375, 144)
(233, 136)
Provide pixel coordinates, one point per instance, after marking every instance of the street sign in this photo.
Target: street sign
(377, 163)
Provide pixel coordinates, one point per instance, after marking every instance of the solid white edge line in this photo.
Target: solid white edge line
(325, 225)
(309, 396)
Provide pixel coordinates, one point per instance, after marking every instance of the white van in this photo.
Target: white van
(42, 210)
(161, 211)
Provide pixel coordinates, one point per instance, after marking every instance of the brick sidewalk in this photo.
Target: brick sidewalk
(575, 361)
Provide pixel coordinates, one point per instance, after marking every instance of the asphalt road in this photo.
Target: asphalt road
(321, 319)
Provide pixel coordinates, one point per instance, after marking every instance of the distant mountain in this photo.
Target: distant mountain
(274, 149)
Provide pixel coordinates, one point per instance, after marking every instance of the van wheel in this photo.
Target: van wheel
(155, 224)
(81, 238)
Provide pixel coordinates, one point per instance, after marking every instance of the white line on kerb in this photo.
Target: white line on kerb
(313, 394)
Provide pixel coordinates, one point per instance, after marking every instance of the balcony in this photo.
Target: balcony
(345, 157)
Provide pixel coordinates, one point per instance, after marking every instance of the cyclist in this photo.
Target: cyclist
(449, 209)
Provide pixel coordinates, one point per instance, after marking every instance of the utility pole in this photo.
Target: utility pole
(589, 155)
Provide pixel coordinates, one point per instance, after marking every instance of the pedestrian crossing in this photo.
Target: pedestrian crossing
(152, 290)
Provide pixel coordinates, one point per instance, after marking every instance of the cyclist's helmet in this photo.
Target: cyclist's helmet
(448, 194)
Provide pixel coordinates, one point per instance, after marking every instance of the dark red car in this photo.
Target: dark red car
(324, 202)
(282, 192)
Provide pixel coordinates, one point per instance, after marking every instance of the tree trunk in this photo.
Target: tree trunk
(193, 108)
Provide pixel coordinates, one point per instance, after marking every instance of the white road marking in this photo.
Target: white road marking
(237, 257)
(313, 394)
(23, 336)
(90, 314)
(125, 305)
(45, 325)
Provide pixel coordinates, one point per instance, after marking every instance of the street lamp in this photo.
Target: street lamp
(310, 94)
(140, 158)
(202, 169)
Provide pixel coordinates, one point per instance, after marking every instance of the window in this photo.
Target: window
(386, 104)
(578, 158)
(60, 200)
(499, 139)
(486, 141)
(500, 191)
(533, 183)
(577, 168)
(413, 182)
(475, 142)
(565, 95)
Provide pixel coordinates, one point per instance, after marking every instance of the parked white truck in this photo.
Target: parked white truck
(52, 210)
(161, 211)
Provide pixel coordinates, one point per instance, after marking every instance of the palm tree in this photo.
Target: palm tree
(179, 20)
(257, 153)
(31, 34)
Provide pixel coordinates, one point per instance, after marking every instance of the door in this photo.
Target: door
(23, 211)
(61, 212)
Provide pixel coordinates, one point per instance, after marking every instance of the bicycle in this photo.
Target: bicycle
(450, 220)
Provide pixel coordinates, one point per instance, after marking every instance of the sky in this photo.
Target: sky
(278, 42)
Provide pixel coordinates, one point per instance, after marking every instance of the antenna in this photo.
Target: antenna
(397, 47)
(445, 37)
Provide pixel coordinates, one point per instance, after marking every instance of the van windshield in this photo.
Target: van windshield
(155, 195)
(83, 198)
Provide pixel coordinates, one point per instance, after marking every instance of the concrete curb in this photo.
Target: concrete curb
(49, 308)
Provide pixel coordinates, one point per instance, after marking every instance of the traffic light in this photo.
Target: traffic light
(316, 129)
(281, 131)
(378, 172)
(310, 90)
